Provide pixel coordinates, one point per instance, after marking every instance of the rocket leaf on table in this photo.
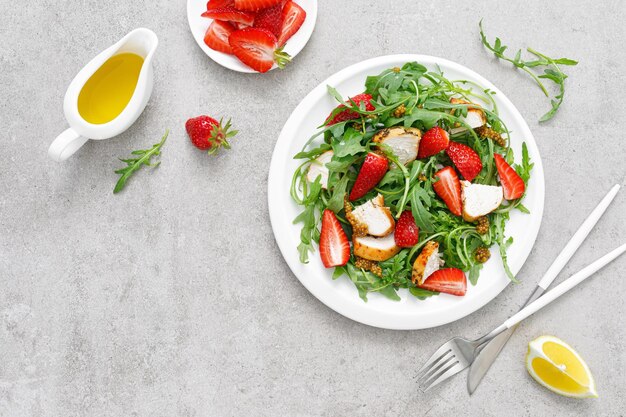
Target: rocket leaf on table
(143, 157)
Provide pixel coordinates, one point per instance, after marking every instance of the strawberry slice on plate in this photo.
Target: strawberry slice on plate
(407, 232)
(255, 5)
(448, 280)
(217, 34)
(270, 19)
(448, 188)
(258, 49)
(229, 14)
(512, 184)
(342, 116)
(372, 171)
(465, 159)
(293, 17)
(218, 4)
(434, 141)
(334, 244)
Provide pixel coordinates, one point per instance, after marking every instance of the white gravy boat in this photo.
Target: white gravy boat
(142, 42)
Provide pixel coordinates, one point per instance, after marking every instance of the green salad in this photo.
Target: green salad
(412, 185)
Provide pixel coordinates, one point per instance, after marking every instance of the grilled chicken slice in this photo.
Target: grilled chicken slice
(475, 117)
(375, 248)
(427, 262)
(318, 167)
(373, 218)
(479, 200)
(403, 142)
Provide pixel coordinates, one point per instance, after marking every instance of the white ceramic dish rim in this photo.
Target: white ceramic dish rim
(293, 46)
(358, 310)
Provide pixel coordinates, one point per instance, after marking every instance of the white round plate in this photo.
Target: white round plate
(199, 25)
(340, 294)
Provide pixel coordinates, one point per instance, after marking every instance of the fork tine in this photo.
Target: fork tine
(436, 356)
(425, 384)
(452, 370)
(436, 366)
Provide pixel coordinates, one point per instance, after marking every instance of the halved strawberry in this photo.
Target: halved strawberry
(293, 17)
(342, 116)
(258, 49)
(334, 244)
(270, 19)
(372, 171)
(465, 159)
(254, 5)
(229, 14)
(218, 4)
(407, 232)
(434, 141)
(217, 34)
(512, 184)
(448, 280)
(448, 188)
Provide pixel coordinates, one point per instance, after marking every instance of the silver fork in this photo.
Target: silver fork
(459, 353)
(451, 358)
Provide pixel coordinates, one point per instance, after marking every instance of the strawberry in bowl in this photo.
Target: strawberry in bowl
(252, 35)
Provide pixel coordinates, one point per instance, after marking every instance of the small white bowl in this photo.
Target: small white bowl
(199, 25)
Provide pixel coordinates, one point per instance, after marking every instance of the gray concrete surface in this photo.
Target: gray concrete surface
(172, 299)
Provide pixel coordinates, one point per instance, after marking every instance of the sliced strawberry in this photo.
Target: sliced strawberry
(372, 171)
(229, 14)
(217, 34)
(255, 5)
(240, 25)
(258, 49)
(448, 188)
(334, 244)
(293, 17)
(448, 280)
(407, 232)
(342, 116)
(512, 184)
(270, 19)
(218, 4)
(434, 141)
(465, 159)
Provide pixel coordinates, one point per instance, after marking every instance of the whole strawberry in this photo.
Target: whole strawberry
(406, 234)
(207, 133)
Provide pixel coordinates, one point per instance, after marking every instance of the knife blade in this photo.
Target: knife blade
(491, 350)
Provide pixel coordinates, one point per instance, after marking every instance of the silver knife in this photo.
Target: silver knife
(491, 350)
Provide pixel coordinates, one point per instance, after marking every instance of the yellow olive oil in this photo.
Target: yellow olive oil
(107, 92)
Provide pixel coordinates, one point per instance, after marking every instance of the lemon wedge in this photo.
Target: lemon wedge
(555, 365)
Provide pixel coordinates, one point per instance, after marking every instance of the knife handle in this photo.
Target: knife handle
(562, 288)
(578, 238)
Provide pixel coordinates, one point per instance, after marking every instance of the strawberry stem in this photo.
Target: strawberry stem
(281, 58)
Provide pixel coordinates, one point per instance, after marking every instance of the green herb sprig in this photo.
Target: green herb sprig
(144, 157)
(552, 73)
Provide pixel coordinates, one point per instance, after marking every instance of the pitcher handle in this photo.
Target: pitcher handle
(66, 144)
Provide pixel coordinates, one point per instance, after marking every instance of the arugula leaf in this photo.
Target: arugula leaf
(526, 166)
(134, 164)
(313, 152)
(474, 272)
(420, 201)
(553, 73)
(308, 218)
(421, 293)
(349, 144)
(335, 203)
(503, 243)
